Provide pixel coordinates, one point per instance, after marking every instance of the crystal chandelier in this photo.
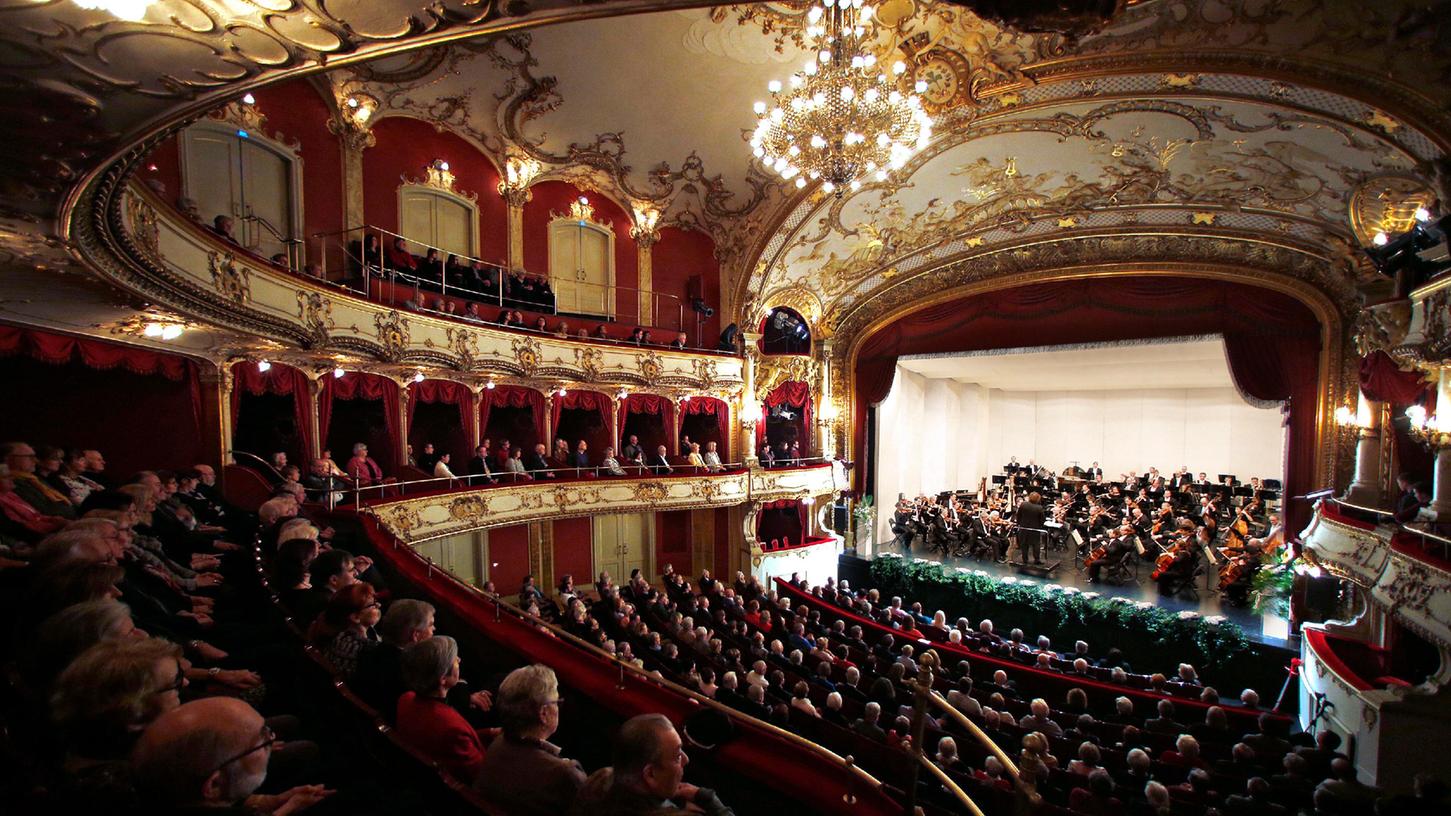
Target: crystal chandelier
(841, 118)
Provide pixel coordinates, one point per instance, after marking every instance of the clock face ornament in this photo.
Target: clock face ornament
(945, 79)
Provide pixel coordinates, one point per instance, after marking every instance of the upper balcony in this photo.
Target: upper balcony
(196, 273)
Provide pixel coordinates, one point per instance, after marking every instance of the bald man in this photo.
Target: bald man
(212, 753)
(648, 776)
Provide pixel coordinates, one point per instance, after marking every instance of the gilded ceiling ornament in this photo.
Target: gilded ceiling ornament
(1181, 80)
(526, 354)
(774, 370)
(1383, 121)
(1387, 205)
(1202, 218)
(392, 334)
(590, 360)
(316, 313)
(232, 280)
(1068, 223)
(797, 298)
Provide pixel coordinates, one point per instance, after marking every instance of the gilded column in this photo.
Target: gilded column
(216, 415)
(514, 200)
(750, 406)
(473, 428)
(826, 412)
(352, 124)
(1441, 496)
(548, 439)
(1365, 489)
(645, 240)
(402, 430)
(314, 398)
(541, 554)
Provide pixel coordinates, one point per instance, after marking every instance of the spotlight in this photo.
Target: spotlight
(263, 365)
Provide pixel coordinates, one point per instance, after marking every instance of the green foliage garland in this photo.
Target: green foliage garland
(1153, 639)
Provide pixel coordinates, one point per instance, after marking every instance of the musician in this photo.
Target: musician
(901, 525)
(1118, 547)
(1186, 553)
(988, 530)
(1094, 471)
(1030, 518)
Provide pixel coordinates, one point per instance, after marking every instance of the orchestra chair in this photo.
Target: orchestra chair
(1122, 570)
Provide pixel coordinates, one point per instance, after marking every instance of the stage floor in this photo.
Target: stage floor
(1070, 575)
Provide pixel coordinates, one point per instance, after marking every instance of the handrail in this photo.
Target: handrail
(653, 678)
(978, 734)
(726, 468)
(295, 247)
(606, 288)
(950, 785)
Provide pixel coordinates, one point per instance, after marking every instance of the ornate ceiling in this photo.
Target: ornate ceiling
(1211, 131)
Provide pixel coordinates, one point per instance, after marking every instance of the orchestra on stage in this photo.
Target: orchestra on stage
(1182, 531)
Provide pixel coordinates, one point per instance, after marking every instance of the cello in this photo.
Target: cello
(1172, 554)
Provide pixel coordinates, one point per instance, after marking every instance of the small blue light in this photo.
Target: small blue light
(243, 134)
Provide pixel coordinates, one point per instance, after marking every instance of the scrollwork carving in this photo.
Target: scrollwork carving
(232, 280)
(316, 313)
(392, 334)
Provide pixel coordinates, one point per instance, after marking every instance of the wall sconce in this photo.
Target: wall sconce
(338, 372)
(519, 171)
(263, 365)
(164, 331)
(623, 395)
(750, 412)
(418, 376)
(489, 385)
(646, 218)
(1429, 430)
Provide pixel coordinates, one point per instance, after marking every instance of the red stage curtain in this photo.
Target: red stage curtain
(59, 348)
(512, 396)
(441, 391)
(783, 520)
(795, 394)
(714, 407)
(1383, 381)
(358, 385)
(1272, 341)
(281, 380)
(602, 404)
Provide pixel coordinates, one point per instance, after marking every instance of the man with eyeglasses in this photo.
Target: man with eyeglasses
(212, 753)
(648, 776)
(523, 773)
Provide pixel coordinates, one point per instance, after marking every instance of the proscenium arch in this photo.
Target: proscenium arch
(1334, 374)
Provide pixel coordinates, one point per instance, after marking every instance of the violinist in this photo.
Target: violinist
(989, 531)
(1114, 550)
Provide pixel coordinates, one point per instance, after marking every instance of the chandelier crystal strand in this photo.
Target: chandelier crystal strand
(841, 119)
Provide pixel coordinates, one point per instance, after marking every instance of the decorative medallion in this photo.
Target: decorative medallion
(526, 354)
(651, 492)
(141, 218)
(1387, 205)
(464, 345)
(468, 508)
(946, 74)
(316, 313)
(392, 334)
(233, 282)
(591, 361)
(650, 366)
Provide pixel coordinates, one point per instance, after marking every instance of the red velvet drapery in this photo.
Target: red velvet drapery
(141, 408)
(714, 407)
(1384, 381)
(795, 394)
(512, 396)
(602, 404)
(358, 385)
(648, 404)
(60, 348)
(283, 381)
(1272, 341)
(441, 391)
(783, 520)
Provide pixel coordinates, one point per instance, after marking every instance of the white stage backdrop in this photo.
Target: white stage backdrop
(939, 434)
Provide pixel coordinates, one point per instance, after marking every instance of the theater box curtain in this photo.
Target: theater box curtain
(587, 415)
(649, 417)
(706, 419)
(140, 408)
(782, 523)
(360, 407)
(441, 412)
(514, 413)
(1272, 342)
(1383, 381)
(796, 396)
(272, 411)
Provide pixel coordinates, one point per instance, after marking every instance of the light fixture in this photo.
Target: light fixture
(153, 329)
(171, 331)
(1423, 215)
(133, 10)
(263, 365)
(1344, 416)
(248, 99)
(489, 385)
(338, 372)
(1380, 239)
(418, 376)
(1428, 429)
(441, 164)
(841, 116)
(623, 395)
(561, 392)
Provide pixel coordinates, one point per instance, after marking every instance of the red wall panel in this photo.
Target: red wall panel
(574, 549)
(509, 558)
(405, 148)
(296, 111)
(680, 255)
(672, 540)
(164, 165)
(724, 543)
(555, 197)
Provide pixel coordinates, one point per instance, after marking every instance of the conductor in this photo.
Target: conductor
(1030, 518)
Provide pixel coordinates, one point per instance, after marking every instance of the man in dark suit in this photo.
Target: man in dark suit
(1030, 525)
(1254, 802)
(659, 463)
(1094, 472)
(479, 466)
(537, 465)
(1165, 722)
(632, 452)
(580, 457)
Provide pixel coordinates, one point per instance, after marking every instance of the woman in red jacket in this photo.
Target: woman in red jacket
(426, 720)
